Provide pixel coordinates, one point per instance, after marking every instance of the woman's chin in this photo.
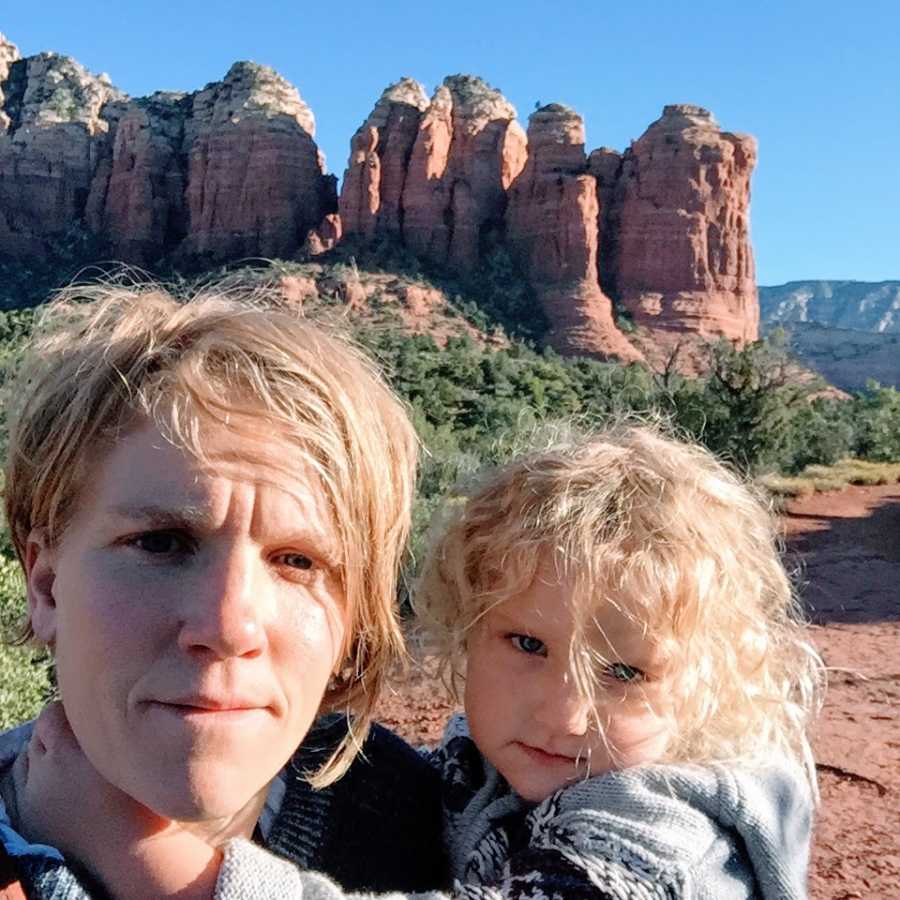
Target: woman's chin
(217, 799)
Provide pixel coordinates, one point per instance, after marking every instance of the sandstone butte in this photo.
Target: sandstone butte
(233, 171)
(228, 171)
(552, 228)
(663, 228)
(675, 248)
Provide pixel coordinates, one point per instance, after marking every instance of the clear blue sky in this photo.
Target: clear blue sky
(818, 84)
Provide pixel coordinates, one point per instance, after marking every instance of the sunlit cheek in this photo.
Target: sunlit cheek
(633, 730)
(642, 735)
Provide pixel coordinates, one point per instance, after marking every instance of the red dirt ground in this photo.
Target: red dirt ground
(846, 549)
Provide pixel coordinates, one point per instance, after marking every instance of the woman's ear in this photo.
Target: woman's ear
(40, 577)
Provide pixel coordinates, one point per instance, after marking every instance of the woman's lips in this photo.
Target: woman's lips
(200, 710)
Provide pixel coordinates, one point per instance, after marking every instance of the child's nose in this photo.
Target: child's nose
(564, 711)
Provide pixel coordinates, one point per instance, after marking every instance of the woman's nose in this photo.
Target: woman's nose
(225, 616)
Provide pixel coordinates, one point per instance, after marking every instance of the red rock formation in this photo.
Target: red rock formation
(552, 230)
(255, 182)
(683, 260)
(9, 53)
(468, 150)
(372, 191)
(137, 195)
(54, 136)
(233, 171)
(325, 237)
(227, 172)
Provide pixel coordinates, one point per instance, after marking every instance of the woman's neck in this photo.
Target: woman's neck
(216, 832)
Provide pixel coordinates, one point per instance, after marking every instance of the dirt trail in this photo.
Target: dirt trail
(846, 549)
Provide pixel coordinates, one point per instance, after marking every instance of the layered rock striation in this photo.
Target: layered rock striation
(229, 171)
(552, 229)
(676, 227)
(233, 171)
(468, 150)
(371, 201)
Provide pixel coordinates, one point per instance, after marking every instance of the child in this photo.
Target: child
(637, 685)
(633, 663)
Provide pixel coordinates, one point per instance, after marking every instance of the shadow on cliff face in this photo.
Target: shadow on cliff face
(846, 547)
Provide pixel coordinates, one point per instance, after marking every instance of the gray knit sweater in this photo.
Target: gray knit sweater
(661, 832)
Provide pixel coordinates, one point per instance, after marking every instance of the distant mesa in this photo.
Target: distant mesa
(660, 231)
(849, 331)
(857, 305)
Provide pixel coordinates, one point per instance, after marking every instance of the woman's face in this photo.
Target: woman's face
(197, 615)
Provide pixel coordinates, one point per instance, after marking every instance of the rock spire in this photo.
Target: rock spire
(467, 152)
(678, 213)
(371, 195)
(552, 228)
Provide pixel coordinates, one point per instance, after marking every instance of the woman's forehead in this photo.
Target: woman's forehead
(146, 476)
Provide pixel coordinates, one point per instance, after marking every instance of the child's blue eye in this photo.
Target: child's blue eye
(623, 672)
(528, 644)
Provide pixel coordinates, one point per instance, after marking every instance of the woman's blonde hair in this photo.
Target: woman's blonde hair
(105, 358)
(632, 515)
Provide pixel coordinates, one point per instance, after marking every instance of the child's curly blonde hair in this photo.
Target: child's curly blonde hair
(632, 515)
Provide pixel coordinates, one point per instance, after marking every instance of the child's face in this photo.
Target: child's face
(524, 711)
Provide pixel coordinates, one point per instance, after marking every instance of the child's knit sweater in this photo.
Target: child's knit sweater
(661, 832)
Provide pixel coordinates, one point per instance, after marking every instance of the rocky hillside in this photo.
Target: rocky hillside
(845, 358)
(658, 232)
(848, 331)
(858, 305)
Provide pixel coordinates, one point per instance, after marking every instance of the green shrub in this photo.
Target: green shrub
(878, 423)
(25, 673)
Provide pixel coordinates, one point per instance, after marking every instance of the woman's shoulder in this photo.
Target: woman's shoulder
(376, 828)
(16, 846)
(12, 741)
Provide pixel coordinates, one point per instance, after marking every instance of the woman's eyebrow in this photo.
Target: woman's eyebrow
(157, 514)
(198, 517)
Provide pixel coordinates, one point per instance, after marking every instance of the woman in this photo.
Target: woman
(209, 501)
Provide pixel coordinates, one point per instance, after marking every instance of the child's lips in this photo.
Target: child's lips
(544, 757)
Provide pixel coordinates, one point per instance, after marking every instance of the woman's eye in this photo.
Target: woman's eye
(623, 672)
(296, 561)
(160, 543)
(528, 644)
